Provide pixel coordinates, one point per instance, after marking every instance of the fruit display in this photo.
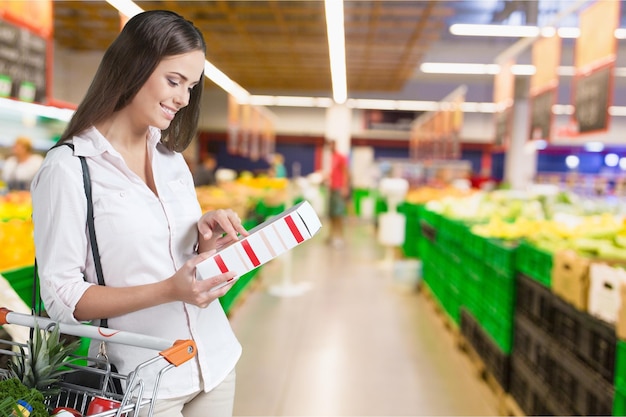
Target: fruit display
(422, 195)
(243, 194)
(593, 228)
(17, 248)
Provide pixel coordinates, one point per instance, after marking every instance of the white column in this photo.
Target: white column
(520, 165)
(338, 125)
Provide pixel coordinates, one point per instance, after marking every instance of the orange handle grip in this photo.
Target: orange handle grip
(3, 315)
(180, 352)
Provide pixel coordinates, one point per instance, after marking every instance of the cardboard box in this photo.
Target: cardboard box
(570, 278)
(605, 291)
(620, 325)
(266, 241)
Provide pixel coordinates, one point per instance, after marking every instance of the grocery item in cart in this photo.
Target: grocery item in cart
(78, 399)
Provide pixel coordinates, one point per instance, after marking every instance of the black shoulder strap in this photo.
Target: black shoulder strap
(90, 226)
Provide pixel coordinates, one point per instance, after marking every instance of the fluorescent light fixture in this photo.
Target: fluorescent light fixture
(290, 101)
(572, 161)
(459, 68)
(514, 31)
(622, 164)
(501, 31)
(566, 71)
(34, 109)
(126, 7)
(568, 33)
(523, 69)
(361, 103)
(611, 159)
(594, 146)
(218, 77)
(413, 105)
(473, 107)
(617, 110)
(472, 69)
(337, 49)
(562, 109)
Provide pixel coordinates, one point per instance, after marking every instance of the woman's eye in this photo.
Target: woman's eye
(172, 82)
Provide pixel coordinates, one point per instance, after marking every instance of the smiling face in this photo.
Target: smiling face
(167, 90)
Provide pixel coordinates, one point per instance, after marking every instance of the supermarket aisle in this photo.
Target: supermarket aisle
(355, 344)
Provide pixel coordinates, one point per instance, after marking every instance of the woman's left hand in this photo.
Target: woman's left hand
(219, 228)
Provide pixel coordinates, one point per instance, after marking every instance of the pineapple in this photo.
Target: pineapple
(42, 368)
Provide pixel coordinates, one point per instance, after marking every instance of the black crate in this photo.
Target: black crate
(534, 346)
(534, 301)
(496, 361)
(574, 383)
(589, 338)
(531, 393)
(428, 231)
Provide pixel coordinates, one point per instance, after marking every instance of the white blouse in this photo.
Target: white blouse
(142, 238)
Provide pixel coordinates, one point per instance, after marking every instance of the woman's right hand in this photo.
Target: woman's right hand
(186, 288)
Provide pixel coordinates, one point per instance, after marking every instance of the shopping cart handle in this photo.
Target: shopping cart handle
(3, 315)
(180, 352)
(177, 353)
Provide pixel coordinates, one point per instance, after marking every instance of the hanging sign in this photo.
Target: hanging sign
(594, 59)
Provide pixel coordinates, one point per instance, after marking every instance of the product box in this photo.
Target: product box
(266, 241)
(604, 292)
(570, 278)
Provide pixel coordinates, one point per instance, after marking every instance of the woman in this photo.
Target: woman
(140, 111)
(20, 168)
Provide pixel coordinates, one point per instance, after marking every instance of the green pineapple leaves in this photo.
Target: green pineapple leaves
(43, 366)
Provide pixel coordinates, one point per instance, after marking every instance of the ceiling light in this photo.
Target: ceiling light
(126, 7)
(572, 161)
(594, 146)
(472, 69)
(459, 68)
(611, 159)
(513, 31)
(337, 49)
(494, 30)
(218, 77)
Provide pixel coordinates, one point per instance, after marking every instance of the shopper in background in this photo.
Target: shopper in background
(20, 168)
(339, 188)
(139, 113)
(204, 174)
(278, 170)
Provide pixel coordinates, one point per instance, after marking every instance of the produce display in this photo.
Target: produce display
(17, 248)
(422, 195)
(243, 194)
(594, 228)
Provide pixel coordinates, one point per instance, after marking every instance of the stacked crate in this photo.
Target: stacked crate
(471, 274)
(563, 358)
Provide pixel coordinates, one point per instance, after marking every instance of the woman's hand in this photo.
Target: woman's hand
(219, 228)
(185, 287)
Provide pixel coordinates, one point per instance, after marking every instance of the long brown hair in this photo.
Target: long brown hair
(127, 64)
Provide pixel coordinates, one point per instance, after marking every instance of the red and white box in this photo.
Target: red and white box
(266, 241)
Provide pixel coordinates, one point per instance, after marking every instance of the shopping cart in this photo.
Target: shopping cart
(79, 397)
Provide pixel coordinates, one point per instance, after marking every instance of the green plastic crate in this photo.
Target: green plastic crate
(500, 256)
(534, 263)
(431, 217)
(619, 402)
(21, 280)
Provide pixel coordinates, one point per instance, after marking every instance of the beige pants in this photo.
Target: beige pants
(216, 403)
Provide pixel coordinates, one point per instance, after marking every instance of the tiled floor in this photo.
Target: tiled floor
(355, 344)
